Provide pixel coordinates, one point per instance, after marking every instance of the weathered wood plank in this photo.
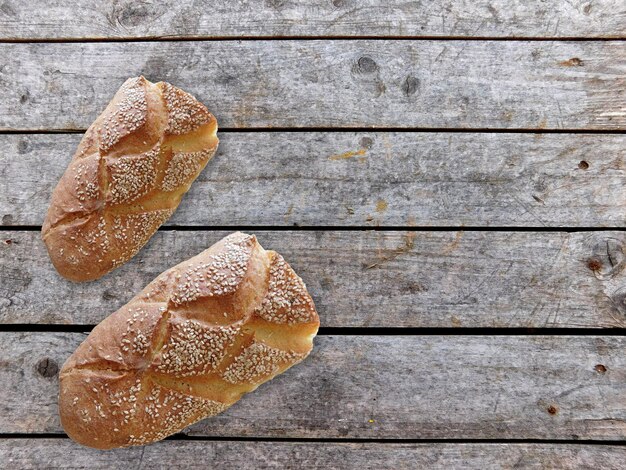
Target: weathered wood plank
(43, 19)
(63, 453)
(365, 178)
(365, 279)
(440, 387)
(337, 83)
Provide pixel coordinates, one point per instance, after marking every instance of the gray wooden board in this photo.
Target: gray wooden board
(402, 387)
(63, 453)
(329, 83)
(364, 279)
(365, 178)
(59, 19)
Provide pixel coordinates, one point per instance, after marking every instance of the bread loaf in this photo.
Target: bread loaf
(127, 177)
(188, 346)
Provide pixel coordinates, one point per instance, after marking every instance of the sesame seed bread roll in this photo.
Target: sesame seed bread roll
(127, 177)
(188, 346)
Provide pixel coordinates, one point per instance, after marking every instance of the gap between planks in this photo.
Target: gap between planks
(339, 440)
(131, 39)
(368, 331)
(357, 228)
(346, 130)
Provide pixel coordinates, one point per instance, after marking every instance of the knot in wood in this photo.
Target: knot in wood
(22, 147)
(109, 294)
(47, 367)
(366, 65)
(277, 4)
(410, 85)
(367, 142)
(607, 258)
(133, 15)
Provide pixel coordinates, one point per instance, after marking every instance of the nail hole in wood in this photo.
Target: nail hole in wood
(594, 264)
(47, 367)
(553, 409)
(600, 368)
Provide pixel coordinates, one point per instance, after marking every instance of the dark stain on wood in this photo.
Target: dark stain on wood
(573, 62)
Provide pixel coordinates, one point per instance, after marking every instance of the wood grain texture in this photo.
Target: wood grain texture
(364, 279)
(365, 178)
(57, 453)
(40, 19)
(329, 83)
(402, 387)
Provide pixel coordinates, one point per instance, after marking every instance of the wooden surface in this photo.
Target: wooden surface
(365, 179)
(92, 19)
(330, 83)
(424, 166)
(38, 453)
(412, 279)
(393, 387)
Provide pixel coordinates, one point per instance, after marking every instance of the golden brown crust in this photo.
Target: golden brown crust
(188, 346)
(128, 175)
